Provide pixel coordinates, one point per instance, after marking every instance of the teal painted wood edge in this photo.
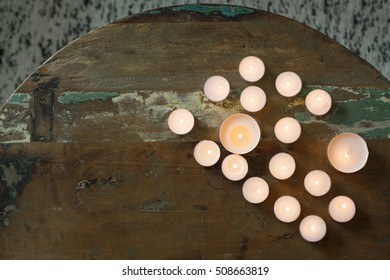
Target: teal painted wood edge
(225, 10)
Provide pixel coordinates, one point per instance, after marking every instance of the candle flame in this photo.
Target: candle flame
(312, 227)
(346, 155)
(343, 205)
(316, 182)
(287, 209)
(283, 167)
(286, 127)
(251, 67)
(209, 152)
(319, 99)
(181, 120)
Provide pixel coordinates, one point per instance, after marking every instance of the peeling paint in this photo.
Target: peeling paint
(77, 97)
(369, 115)
(20, 130)
(156, 106)
(22, 99)
(156, 206)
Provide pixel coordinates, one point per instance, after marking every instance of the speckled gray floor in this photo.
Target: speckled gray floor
(32, 30)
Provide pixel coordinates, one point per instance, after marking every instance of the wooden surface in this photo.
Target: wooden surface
(90, 170)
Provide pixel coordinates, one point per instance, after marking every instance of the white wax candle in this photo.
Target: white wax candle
(216, 88)
(253, 99)
(288, 84)
(287, 130)
(317, 182)
(312, 228)
(181, 121)
(207, 153)
(239, 133)
(348, 152)
(287, 209)
(282, 166)
(255, 190)
(342, 209)
(234, 167)
(251, 68)
(318, 102)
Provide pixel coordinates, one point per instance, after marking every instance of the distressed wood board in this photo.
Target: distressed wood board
(90, 170)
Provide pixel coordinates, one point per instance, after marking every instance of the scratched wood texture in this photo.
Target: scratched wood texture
(90, 170)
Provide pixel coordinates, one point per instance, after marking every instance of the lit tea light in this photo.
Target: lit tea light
(318, 102)
(288, 84)
(287, 209)
(181, 121)
(287, 130)
(253, 99)
(207, 153)
(251, 68)
(312, 228)
(216, 88)
(234, 167)
(282, 166)
(255, 190)
(348, 152)
(239, 133)
(342, 209)
(317, 182)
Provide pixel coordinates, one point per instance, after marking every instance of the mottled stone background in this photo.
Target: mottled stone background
(33, 30)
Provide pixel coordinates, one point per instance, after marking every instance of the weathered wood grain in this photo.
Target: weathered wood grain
(90, 170)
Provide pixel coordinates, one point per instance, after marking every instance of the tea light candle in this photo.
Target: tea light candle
(287, 130)
(282, 166)
(287, 209)
(234, 167)
(318, 102)
(312, 228)
(342, 209)
(288, 84)
(181, 121)
(348, 152)
(239, 133)
(255, 190)
(216, 88)
(207, 153)
(253, 99)
(251, 68)
(317, 182)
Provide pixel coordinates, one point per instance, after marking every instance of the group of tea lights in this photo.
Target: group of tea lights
(240, 134)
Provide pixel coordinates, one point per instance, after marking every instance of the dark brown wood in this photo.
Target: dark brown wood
(90, 170)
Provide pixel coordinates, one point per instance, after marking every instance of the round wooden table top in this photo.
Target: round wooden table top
(90, 170)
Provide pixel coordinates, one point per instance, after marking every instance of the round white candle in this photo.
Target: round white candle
(288, 84)
(317, 182)
(282, 166)
(287, 209)
(253, 99)
(207, 153)
(251, 68)
(312, 228)
(239, 133)
(342, 209)
(216, 88)
(181, 121)
(287, 130)
(234, 167)
(348, 152)
(318, 102)
(255, 190)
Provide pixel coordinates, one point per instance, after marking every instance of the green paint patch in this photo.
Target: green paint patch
(77, 97)
(228, 11)
(367, 115)
(20, 98)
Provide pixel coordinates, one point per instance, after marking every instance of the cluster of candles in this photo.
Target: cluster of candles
(240, 134)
